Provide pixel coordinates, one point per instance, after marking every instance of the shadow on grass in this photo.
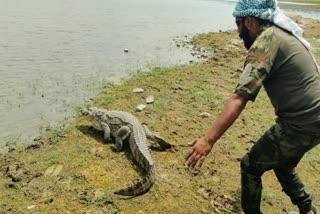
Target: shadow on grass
(92, 132)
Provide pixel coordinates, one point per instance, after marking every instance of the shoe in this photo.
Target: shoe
(313, 209)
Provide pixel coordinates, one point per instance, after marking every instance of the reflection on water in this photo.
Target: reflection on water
(58, 54)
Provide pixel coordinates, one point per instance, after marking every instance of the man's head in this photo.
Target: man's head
(248, 14)
(244, 32)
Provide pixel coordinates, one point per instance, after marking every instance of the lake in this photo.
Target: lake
(57, 55)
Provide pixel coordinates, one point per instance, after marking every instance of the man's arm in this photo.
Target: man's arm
(203, 146)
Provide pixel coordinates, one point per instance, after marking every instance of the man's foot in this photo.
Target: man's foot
(314, 210)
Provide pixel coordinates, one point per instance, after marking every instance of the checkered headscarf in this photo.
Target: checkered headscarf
(254, 8)
(269, 10)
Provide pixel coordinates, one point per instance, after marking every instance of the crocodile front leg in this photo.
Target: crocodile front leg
(122, 134)
(106, 130)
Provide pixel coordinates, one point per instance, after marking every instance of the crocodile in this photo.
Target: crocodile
(123, 126)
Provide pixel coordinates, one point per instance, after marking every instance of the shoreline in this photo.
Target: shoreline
(73, 170)
(55, 110)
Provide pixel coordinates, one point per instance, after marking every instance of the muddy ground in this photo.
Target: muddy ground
(73, 170)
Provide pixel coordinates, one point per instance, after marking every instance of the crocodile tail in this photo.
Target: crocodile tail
(139, 188)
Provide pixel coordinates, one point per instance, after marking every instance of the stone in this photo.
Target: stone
(235, 42)
(141, 107)
(150, 99)
(138, 90)
(31, 207)
(205, 115)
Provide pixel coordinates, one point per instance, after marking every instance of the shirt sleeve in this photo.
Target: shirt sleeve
(257, 65)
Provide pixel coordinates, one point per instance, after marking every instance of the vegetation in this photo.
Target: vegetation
(74, 171)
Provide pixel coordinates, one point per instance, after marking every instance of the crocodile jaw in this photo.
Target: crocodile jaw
(95, 115)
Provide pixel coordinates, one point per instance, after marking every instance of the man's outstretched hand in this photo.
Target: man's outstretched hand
(198, 153)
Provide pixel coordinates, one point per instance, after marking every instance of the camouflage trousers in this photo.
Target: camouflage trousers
(280, 149)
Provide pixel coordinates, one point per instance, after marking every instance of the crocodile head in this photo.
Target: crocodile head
(96, 115)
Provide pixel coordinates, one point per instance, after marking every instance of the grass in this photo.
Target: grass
(92, 171)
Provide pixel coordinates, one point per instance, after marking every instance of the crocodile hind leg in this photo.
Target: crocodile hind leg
(156, 138)
(122, 134)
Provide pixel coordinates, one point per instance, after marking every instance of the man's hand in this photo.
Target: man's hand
(202, 146)
(198, 153)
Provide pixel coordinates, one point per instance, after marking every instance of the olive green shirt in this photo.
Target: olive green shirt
(286, 69)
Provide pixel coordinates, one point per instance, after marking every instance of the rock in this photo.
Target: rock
(138, 90)
(235, 42)
(126, 50)
(31, 207)
(205, 115)
(141, 107)
(150, 99)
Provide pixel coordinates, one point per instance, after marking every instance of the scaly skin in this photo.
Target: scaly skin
(123, 125)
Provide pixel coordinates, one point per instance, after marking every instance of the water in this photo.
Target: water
(58, 54)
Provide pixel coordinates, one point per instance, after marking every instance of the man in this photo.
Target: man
(280, 60)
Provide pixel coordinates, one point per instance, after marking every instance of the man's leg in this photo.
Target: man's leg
(263, 156)
(295, 142)
(251, 186)
(294, 188)
(281, 147)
